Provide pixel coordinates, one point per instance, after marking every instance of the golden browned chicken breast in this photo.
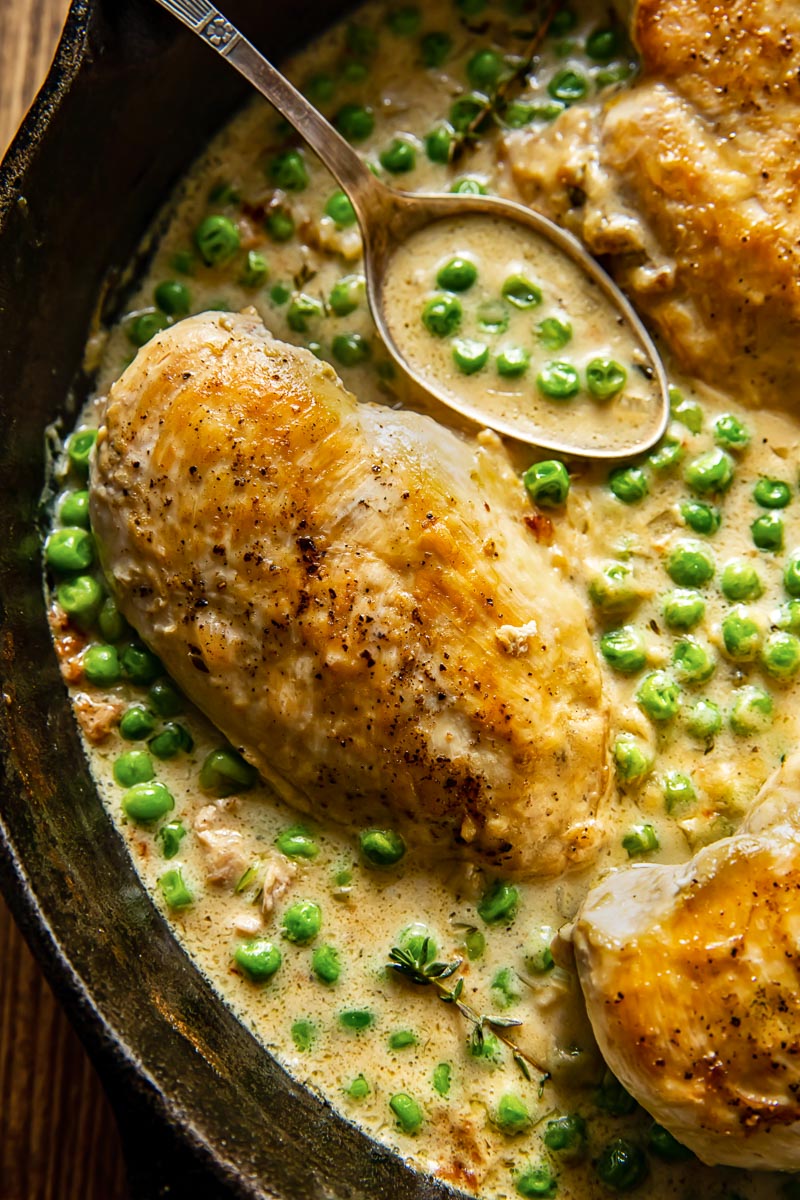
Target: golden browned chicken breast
(352, 595)
(691, 976)
(689, 180)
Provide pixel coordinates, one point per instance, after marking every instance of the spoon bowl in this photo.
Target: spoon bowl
(392, 222)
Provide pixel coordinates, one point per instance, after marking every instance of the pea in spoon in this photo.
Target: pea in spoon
(628, 422)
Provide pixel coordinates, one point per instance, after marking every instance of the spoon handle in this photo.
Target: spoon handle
(341, 160)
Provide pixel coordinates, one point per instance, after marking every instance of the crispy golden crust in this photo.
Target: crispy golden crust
(346, 594)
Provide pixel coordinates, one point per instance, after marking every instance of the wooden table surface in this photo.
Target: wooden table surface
(58, 1140)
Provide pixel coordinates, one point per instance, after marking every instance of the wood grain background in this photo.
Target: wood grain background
(58, 1139)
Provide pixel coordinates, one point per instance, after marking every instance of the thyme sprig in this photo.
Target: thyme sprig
(412, 963)
(496, 101)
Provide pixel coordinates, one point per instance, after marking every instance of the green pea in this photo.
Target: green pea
(434, 48)
(741, 635)
(302, 921)
(304, 1035)
(441, 315)
(399, 157)
(80, 597)
(667, 455)
(258, 959)
(566, 1136)
(780, 656)
(730, 432)
(470, 355)
(709, 472)
(688, 412)
(288, 171)
(361, 40)
(631, 759)
(256, 270)
(165, 698)
(614, 591)
(172, 297)
(512, 1115)
(355, 122)
(457, 274)
(474, 944)
(280, 227)
(772, 493)
(492, 316)
(217, 239)
(690, 564)
(519, 113)
(170, 741)
(788, 616)
(225, 772)
(303, 309)
(624, 649)
(346, 295)
(536, 1181)
(512, 362)
(79, 449)
(339, 208)
(468, 185)
(320, 89)
(553, 333)
(568, 86)
(325, 964)
(661, 1143)
(134, 766)
(442, 1078)
(538, 953)
(612, 1097)
(170, 835)
(751, 711)
(507, 987)
(767, 531)
(791, 574)
(547, 483)
(564, 20)
(184, 262)
(74, 509)
(520, 292)
(358, 1089)
(700, 517)
(145, 326)
(407, 1113)
(382, 847)
(628, 484)
(683, 608)
(621, 1165)
(467, 110)
(740, 580)
(558, 380)
(401, 1039)
(350, 349)
(418, 940)
(139, 664)
(297, 842)
(101, 665)
(69, 549)
(486, 1048)
(692, 662)
(485, 69)
(111, 622)
(279, 293)
(640, 839)
(146, 802)
(498, 904)
(605, 377)
(439, 143)
(356, 1019)
(704, 720)
(603, 44)
(137, 723)
(679, 792)
(659, 696)
(174, 890)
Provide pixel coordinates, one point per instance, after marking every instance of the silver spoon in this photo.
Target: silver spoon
(621, 427)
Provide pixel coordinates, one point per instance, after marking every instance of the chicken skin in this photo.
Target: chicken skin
(353, 597)
(688, 180)
(691, 975)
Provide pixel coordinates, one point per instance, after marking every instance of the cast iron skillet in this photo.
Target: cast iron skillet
(203, 1110)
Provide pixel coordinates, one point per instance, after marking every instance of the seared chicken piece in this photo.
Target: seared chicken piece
(352, 595)
(691, 976)
(690, 180)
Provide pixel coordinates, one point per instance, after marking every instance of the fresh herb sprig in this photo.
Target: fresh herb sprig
(412, 963)
(496, 101)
